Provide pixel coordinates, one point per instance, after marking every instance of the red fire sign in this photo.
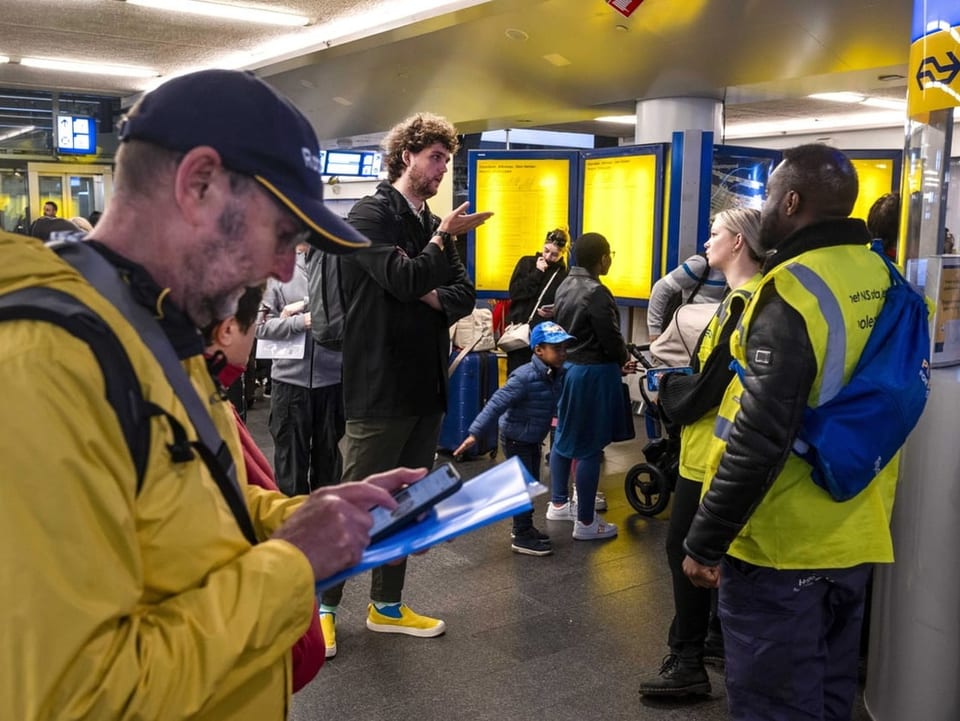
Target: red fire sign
(624, 7)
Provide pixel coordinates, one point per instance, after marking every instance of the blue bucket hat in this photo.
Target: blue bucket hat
(256, 131)
(548, 332)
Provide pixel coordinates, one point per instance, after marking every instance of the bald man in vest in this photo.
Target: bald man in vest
(792, 564)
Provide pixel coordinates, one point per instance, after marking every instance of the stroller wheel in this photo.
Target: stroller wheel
(647, 489)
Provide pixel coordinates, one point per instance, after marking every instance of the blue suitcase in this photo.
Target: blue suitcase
(469, 388)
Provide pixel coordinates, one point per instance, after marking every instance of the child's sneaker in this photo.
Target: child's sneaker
(593, 531)
(328, 624)
(566, 512)
(530, 543)
(401, 619)
(539, 534)
(599, 502)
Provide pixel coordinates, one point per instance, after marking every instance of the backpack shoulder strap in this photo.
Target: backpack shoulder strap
(211, 447)
(122, 387)
(700, 281)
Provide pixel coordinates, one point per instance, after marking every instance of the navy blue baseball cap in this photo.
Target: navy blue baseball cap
(548, 332)
(256, 131)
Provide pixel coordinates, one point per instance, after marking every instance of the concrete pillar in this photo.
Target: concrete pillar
(659, 118)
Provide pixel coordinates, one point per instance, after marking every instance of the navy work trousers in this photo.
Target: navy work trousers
(791, 640)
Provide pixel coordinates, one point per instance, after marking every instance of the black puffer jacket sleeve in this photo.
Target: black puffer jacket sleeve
(781, 368)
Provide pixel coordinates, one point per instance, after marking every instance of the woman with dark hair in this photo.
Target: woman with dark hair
(590, 411)
(883, 222)
(531, 275)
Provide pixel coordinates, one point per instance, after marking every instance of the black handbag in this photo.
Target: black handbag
(624, 429)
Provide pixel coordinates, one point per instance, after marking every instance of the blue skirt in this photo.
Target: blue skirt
(590, 409)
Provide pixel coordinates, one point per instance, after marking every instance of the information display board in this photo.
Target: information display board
(76, 135)
(622, 194)
(738, 178)
(359, 163)
(878, 173)
(529, 194)
(938, 277)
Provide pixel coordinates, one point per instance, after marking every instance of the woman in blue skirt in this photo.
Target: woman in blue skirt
(590, 412)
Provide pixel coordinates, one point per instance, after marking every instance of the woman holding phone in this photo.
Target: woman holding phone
(531, 275)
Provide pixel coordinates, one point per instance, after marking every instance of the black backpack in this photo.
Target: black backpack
(325, 297)
(328, 307)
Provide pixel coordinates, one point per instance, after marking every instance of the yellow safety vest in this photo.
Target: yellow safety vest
(695, 438)
(838, 291)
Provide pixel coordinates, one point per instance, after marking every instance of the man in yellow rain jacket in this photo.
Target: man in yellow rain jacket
(146, 600)
(792, 564)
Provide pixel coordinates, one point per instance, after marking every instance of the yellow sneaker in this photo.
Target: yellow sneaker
(405, 621)
(328, 624)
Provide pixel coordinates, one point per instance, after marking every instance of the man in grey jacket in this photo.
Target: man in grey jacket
(306, 405)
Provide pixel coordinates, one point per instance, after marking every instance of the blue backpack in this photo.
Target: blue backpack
(851, 437)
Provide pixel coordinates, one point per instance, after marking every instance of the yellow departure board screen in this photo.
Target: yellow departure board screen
(876, 179)
(529, 198)
(620, 202)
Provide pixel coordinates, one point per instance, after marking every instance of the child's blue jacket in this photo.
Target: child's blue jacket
(525, 404)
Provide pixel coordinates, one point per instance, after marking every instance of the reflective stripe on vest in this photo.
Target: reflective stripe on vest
(836, 348)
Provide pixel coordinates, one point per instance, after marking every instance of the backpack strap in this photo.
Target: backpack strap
(700, 281)
(210, 446)
(122, 388)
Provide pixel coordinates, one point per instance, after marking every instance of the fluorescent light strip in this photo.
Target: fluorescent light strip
(619, 119)
(228, 12)
(77, 66)
(386, 16)
(797, 126)
(19, 131)
(887, 103)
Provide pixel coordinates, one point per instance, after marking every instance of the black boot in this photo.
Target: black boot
(713, 650)
(678, 676)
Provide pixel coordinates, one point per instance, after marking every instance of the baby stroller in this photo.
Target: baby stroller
(648, 485)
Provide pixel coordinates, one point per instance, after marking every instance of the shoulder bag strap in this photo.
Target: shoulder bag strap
(542, 293)
(211, 447)
(455, 363)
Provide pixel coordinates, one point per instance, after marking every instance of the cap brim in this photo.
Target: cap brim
(330, 232)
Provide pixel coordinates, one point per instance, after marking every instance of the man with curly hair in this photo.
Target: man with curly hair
(402, 294)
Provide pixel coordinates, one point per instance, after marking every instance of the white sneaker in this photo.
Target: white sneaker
(593, 531)
(566, 512)
(599, 503)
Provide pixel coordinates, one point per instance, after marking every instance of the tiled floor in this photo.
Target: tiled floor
(562, 637)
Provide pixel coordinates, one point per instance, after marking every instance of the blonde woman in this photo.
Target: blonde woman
(691, 402)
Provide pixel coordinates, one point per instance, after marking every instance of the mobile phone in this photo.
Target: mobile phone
(655, 374)
(414, 500)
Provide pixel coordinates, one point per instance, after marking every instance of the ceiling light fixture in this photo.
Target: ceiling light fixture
(4, 59)
(227, 12)
(886, 103)
(556, 59)
(79, 66)
(19, 131)
(620, 119)
(337, 32)
(796, 126)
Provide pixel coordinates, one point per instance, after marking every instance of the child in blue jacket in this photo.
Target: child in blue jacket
(526, 405)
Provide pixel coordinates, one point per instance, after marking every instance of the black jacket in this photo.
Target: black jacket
(774, 397)
(526, 284)
(396, 347)
(586, 309)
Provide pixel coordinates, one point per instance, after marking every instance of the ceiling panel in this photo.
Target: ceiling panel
(754, 53)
